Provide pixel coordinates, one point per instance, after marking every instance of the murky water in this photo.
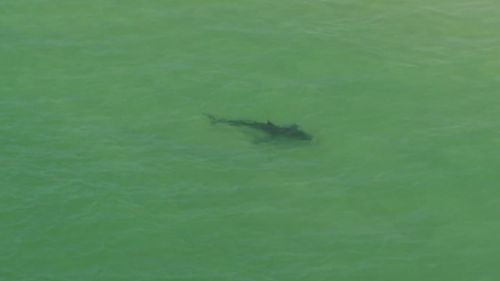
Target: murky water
(110, 171)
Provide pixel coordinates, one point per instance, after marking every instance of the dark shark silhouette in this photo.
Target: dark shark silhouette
(274, 131)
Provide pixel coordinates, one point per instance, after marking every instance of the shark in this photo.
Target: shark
(273, 131)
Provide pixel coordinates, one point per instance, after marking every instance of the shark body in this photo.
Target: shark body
(292, 132)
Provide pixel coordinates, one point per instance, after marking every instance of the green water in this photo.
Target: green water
(109, 171)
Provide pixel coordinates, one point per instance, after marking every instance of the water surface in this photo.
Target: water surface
(111, 172)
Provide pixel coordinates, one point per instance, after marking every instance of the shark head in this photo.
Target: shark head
(293, 132)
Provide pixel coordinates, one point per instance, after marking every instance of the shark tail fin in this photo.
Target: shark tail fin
(212, 118)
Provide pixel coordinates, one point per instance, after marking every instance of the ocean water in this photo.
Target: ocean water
(109, 170)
